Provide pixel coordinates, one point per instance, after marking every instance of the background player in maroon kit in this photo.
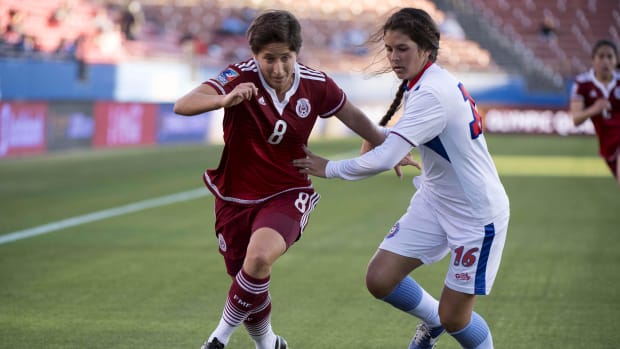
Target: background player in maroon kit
(262, 203)
(595, 95)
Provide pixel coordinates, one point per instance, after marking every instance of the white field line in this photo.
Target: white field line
(115, 211)
(108, 213)
(201, 192)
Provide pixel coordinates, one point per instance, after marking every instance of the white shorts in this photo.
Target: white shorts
(476, 249)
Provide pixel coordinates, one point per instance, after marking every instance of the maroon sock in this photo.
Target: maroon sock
(257, 323)
(246, 294)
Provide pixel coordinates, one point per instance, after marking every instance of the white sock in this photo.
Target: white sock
(222, 332)
(428, 310)
(266, 341)
(262, 334)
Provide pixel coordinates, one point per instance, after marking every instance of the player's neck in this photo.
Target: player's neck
(604, 78)
(281, 92)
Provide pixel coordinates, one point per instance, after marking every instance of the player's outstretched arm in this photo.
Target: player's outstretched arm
(312, 164)
(392, 152)
(204, 98)
(580, 114)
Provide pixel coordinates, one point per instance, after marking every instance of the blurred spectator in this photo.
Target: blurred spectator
(66, 48)
(355, 38)
(450, 27)
(349, 40)
(548, 27)
(102, 20)
(13, 37)
(131, 18)
(29, 45)
(61, 13)
(193, 48)
(16, 22)
(79, 55)
(233, 25)
(73, 50)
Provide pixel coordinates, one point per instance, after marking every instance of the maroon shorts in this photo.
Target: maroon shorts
(286, 213)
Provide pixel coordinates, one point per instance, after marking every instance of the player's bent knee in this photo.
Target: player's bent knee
(378, 286)
(257, 264)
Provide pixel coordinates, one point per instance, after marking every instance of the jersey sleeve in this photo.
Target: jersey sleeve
(423, 118)
(575, 94)
(333, 100)
(381, 158)
(226, 80)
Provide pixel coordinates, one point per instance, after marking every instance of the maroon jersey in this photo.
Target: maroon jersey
(607, 124)
(262, 136)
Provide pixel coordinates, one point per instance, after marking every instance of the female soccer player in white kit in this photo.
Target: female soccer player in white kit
(460, 205)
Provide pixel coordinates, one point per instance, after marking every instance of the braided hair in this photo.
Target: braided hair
(421, 29)
(395, 104)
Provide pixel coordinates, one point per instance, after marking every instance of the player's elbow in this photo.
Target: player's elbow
(181, 109)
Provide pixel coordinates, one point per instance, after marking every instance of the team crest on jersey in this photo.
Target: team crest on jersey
(617, 92)
(393, 231)
(261, 101)
(227, 76)
(303, 107)
(592, 94)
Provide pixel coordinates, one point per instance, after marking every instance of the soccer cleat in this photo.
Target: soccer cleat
(214, 344)
(281, 343)
(425, 337)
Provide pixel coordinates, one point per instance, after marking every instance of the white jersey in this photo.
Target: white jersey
(458, 173)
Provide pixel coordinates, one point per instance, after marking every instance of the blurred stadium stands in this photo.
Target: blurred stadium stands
(498, 34)
(513, 56)
(212, 31)
(546, 41)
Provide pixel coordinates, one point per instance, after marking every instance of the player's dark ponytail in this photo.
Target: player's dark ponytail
(395, 104)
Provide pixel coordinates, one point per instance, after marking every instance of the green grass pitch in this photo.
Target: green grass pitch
(154, 279)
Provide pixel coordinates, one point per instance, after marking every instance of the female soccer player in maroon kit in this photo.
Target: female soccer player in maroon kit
(595, 95)
(262, 203)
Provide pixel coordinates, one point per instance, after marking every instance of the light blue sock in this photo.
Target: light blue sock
(406, 296)
(409, 297)
(476, 335)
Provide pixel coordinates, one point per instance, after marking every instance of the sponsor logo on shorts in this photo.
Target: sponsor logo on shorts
(462, 276)
(393, 231)
(227, 76)
(222, 242)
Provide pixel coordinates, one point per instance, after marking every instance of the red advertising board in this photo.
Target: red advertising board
(22, 128)
(124, 124)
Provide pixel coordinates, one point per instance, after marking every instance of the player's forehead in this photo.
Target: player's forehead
(397, 37)
(276, 49)
(605, 51)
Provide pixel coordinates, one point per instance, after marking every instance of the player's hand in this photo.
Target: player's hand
(241, 92)
(312, 164)
(366, 147)
(602, 106)
(406, 161)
